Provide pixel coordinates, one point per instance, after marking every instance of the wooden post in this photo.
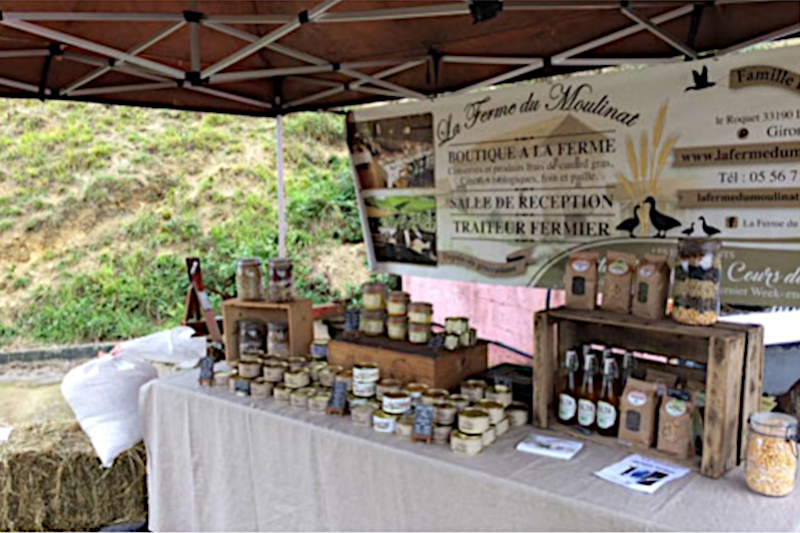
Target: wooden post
(543, 369)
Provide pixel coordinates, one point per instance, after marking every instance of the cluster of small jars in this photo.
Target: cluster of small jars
(392, 314)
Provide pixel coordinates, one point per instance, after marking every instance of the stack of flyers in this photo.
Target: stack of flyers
(641, 474)
(550, 447)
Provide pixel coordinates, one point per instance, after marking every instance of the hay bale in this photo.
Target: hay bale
(51, 479)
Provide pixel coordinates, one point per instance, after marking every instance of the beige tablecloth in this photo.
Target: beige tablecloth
(217, 462)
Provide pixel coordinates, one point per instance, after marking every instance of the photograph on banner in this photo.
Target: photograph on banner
(393, 153)
(403, 228)
(631, 161)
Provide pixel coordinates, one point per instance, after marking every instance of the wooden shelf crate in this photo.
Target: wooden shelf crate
(408, 362)
(298, 314)
(733, 353)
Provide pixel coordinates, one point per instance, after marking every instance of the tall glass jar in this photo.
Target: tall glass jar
(278, 339)
(771, 455)
(280, 281)
(249, 282)
(697, 282)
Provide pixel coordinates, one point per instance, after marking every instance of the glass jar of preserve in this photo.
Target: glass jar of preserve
(697, 282)
(373, 296)
(397, 305)
(372, 323)
(396, 327)
(420, 313)
(249, 282)
(278, 339)
(419, 333)
(251, 336)
(771, 455)
(280, 280)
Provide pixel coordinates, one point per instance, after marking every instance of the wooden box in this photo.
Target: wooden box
(298, 314)
(733, 355)
(408, 362)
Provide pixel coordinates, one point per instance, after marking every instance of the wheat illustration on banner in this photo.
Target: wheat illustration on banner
(646, 167)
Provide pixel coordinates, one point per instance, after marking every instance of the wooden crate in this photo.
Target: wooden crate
(298, 314)
(408, 362)
(734, 355)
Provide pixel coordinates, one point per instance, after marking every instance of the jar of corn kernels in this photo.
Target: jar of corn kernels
(771, 456)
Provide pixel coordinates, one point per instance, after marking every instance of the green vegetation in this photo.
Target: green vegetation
(100, 206)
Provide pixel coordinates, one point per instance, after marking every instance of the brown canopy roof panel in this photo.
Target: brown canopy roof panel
(272, 57)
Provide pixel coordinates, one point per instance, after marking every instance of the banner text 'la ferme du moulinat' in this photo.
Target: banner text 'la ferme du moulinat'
(500, 186)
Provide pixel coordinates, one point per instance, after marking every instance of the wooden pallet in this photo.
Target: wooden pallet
(298, 314)
(733, 353)
(436, 367)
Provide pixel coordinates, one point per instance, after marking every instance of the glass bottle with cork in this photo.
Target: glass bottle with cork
(587, 402)
(568, 392)
(608, 403)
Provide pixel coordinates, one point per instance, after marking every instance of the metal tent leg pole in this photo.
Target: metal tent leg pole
(281, 189)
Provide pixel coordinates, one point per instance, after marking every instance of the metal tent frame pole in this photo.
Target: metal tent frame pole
(282, 227)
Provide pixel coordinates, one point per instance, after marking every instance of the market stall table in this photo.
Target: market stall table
(217, 462)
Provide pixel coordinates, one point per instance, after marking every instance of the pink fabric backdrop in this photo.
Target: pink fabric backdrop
(499, 313)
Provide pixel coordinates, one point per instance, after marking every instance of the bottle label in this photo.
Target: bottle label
(586, 412)
(606, 415)
(566, 407)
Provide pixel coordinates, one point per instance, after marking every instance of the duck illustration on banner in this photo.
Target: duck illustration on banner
(700, 80)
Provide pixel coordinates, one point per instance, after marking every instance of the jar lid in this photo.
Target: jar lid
(696, 245)
(397, 320)
(249, 261)
(771, 424)
(280, 262)
(278, 325)
(398, 295)
(419, 327)
(368, 314)
(420, 306)
(373, 287)
(473, 383)
(474, 413)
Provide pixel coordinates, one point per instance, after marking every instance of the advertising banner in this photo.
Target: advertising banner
(499, 186)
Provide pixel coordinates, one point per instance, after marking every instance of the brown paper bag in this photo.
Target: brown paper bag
(619, 278)
(638, 412)
(580, 281)
(651, 287)
(675, 426)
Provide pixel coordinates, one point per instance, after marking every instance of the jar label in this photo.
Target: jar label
(567, 407)
(606, 415)
(586, 412)
(637, 398)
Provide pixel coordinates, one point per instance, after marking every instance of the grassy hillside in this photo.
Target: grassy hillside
(99, 206)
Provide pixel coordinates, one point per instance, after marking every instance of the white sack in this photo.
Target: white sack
(104, 395)
(174, 345)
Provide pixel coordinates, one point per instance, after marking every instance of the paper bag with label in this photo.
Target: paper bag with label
(638, 412)
(580, 281)
(675, 425)
(618, 281)
(651, 288)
